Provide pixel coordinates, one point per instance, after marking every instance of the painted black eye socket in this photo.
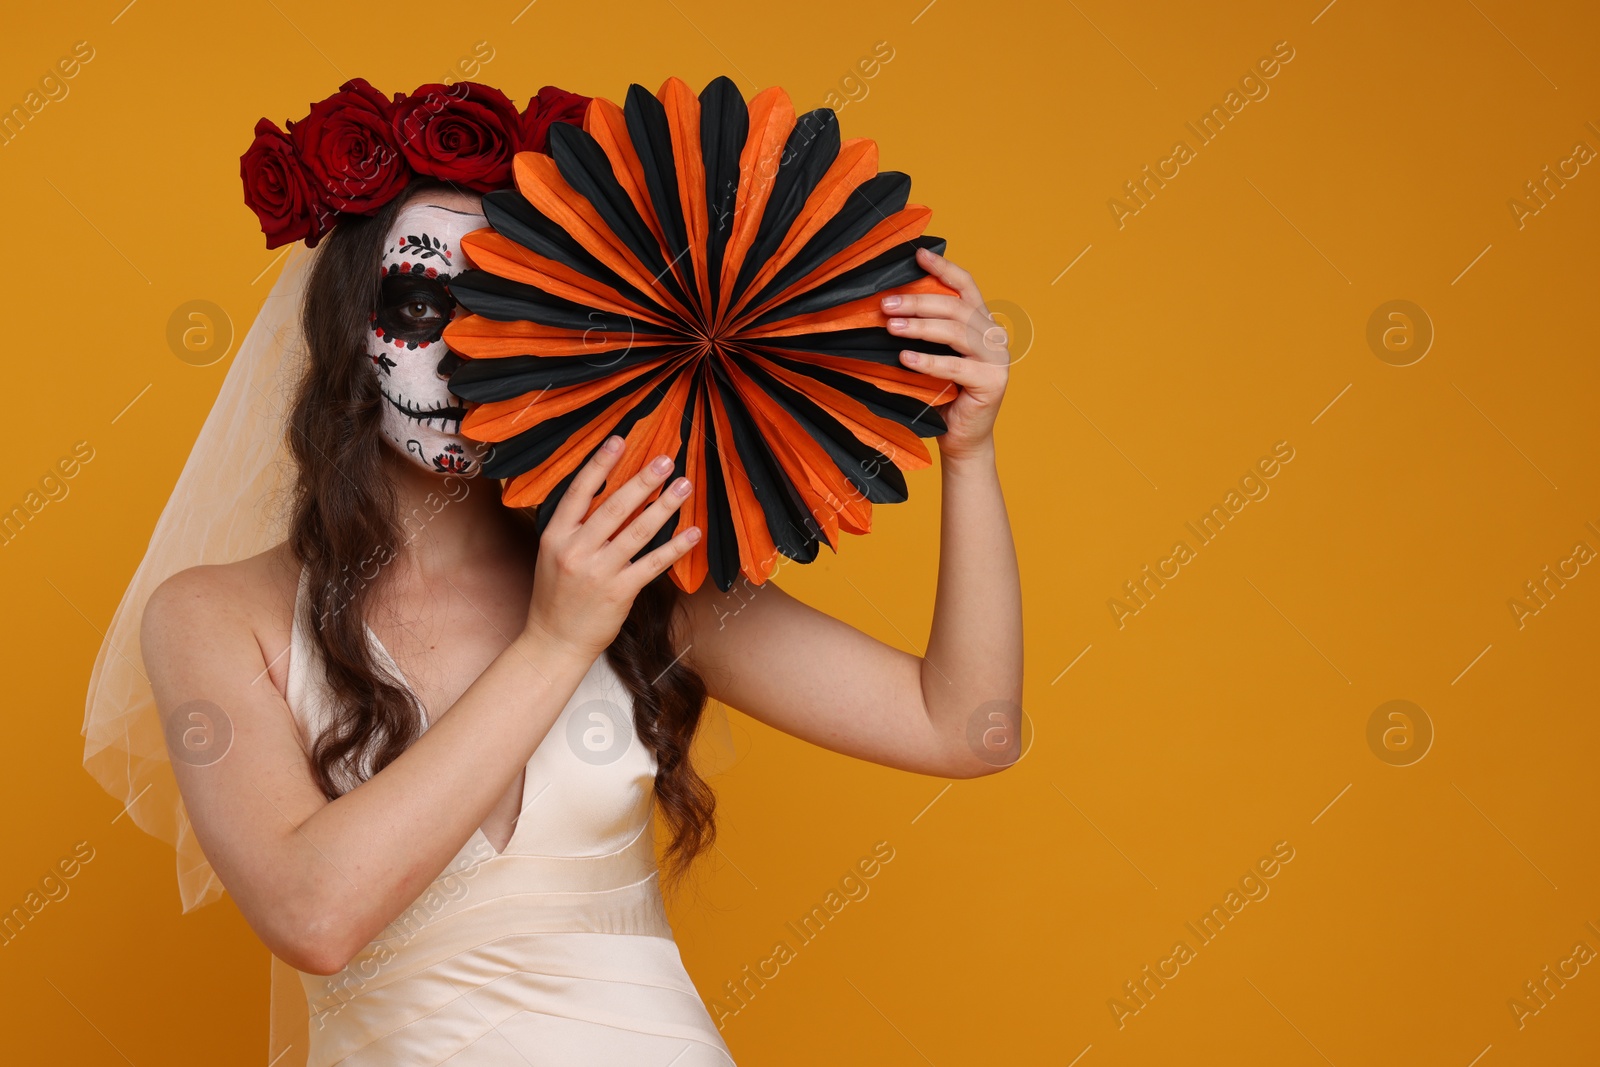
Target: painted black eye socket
(413, 308)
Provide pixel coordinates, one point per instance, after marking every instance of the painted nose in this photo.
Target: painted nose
(449, 363)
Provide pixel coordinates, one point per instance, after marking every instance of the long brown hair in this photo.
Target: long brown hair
(344, 518)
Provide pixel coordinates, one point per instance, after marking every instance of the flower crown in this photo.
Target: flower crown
(358, 149)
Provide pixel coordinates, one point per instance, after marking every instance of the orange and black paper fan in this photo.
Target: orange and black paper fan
(702, 276)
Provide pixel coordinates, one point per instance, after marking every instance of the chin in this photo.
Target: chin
(442, 454)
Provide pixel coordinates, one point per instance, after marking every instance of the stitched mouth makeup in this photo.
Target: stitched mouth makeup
(448, 416)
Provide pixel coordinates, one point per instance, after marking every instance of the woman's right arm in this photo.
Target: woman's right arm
(318, 879)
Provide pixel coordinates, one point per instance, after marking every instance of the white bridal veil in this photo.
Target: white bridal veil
(229, 504)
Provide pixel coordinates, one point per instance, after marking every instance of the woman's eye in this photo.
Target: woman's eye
(419, 313)
(412, 308)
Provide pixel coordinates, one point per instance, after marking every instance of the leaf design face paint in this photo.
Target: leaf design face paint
(421, 253)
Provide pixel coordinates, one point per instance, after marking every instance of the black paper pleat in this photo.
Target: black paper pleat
(812, 147)
(724, 128)
(584, 165)
(511, 216)
(651, 134)
(483, 381)
(788, 521)
(897, 266)
(869, 470)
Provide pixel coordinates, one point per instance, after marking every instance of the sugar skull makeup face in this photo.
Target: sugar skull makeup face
(421, 253)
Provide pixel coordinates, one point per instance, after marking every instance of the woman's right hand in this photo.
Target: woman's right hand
(585, 578)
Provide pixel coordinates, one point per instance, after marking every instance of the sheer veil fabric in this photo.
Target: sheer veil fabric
(230, 503)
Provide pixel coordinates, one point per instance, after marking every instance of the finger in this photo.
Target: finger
(974, 333)
(989, 337)
(603, 524)
(927, 305)
(955, 333)
(627, 543)
(648, 567)
(951, 275)
(967, 373)
(580, 494)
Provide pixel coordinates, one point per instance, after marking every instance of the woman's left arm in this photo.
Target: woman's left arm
(955, 711)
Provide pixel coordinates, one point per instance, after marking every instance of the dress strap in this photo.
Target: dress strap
(300, 654)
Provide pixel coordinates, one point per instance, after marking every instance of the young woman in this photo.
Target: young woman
(446, 735)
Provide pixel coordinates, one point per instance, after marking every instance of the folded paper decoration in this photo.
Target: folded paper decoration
(702, 276)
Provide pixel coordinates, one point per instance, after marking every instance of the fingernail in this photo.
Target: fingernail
(661, 464)
(911, 357)
(890, 303)
(681, 487)
(613, 444)
(897, 324)
(692, 534)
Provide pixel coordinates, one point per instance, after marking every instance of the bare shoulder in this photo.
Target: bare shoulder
(194, 607)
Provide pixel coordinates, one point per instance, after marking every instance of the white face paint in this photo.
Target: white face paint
(421, 253)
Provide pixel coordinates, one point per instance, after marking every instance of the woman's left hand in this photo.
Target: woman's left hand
(962, 322)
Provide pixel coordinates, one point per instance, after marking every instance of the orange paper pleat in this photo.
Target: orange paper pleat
(857, 161)
(772, 118)
(499, 420)
(902, 380)
(903, 447)
(690, 569)
(683, 119)
(530, 489)
(481, 338)
(608, 125)
(502, 256)
(868, 311)
(895, 230)
(540, 181)
(650, 436)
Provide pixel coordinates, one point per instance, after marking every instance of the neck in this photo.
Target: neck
(446, 522)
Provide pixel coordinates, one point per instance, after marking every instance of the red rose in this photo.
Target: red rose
(465, 133)
(279, 189)
(552, 105)
(348, 145)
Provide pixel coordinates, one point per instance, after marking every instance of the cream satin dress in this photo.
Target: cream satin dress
(555, 951)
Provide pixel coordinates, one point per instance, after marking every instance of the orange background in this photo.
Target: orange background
(1229, 714)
